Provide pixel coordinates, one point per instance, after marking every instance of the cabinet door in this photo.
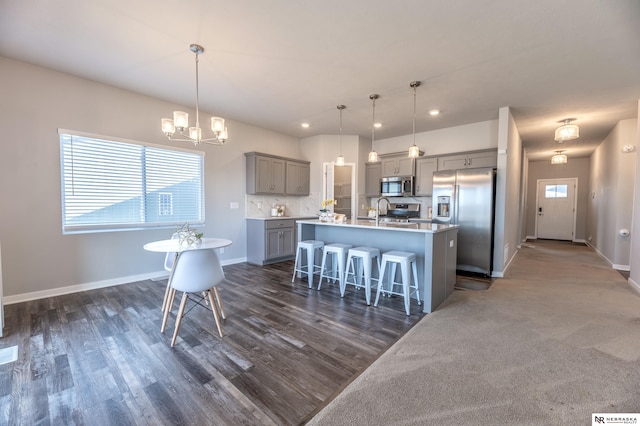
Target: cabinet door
(405, 166)
(452, 162)
(288, 242)
(273, 243)
(483, 159)
(389, 167)
(424, 175)
(297, 178)
(373, 173)
(277, 176)
(263, 175)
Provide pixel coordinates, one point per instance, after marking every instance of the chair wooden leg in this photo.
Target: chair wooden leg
(171, 296)
(214, 309)
(183, 302)
(166, 296)
(216, 293)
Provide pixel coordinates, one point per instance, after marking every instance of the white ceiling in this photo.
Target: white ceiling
(278, 63)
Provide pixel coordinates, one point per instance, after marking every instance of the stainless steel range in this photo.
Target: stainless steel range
(402, 212)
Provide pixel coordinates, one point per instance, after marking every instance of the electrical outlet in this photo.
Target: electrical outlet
(221, 250)
(233, 205)
(451, 243)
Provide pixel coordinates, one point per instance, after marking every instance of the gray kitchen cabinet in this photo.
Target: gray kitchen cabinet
(372, 175)
(265, 174)
(270, 241)
(425, 166)
(469, 160)
(397, 165)
(297, 178)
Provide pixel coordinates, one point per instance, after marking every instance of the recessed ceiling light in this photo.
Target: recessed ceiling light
(305, 125)
(377, 125)
(434, 112)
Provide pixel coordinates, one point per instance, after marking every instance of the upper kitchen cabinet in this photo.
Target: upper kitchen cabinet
(425, 166)
(270, 174)
(372, 175)
(297, 178)
(397, 165)
(469, 160)
(265, 174)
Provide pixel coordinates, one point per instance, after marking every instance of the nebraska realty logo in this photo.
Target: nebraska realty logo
(615, 418)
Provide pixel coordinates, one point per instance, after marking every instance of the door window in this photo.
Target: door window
(555, 191)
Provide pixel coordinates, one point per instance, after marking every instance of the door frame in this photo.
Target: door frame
(330, 166)
(575, 203)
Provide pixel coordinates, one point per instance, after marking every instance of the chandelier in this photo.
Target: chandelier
(559, 158)
(567, 131)
(180, 120)
(414, 151)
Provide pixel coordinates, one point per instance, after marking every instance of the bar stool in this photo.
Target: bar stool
(363, 257)
(312, 268)
(404, 259)
(338, 257)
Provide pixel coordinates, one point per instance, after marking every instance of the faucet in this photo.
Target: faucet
(378, 208)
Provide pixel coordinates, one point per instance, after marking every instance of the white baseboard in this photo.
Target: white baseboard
(634, 285)
(35, 295)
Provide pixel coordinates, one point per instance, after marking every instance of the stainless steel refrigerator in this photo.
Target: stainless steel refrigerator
(466, 198)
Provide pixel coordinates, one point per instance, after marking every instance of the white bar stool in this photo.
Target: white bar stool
(338, 257)
(363, 257)
(311, 267)
(404, 259)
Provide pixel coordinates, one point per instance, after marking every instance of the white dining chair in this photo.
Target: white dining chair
(195, 271)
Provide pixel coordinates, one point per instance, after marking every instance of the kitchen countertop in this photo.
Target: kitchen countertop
(390, 226)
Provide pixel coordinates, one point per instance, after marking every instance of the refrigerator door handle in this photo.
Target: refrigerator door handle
(456, 205)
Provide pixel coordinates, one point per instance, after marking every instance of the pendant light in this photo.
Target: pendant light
(373, 155)
(559, 158)
(414, 151)
(568, 131)
(340, 159)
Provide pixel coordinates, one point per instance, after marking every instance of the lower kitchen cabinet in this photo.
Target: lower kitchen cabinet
(270, 241)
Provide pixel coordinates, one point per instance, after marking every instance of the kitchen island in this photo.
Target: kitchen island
(435, 246)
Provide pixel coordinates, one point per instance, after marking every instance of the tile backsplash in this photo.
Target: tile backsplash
(261, 205)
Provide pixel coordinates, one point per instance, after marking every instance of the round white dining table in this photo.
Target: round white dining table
(173, 245)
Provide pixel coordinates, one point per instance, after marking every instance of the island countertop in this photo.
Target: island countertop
(432, 228)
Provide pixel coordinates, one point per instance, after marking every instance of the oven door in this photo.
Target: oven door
(391, 186)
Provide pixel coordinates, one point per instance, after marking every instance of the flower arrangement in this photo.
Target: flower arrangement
(327, 203)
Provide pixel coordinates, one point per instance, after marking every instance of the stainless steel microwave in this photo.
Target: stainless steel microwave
(396, 186)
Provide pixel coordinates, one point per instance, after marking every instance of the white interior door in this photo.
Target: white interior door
(328, 184)
(556, 209)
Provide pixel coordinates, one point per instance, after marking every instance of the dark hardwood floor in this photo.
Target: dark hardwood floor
(98, 357)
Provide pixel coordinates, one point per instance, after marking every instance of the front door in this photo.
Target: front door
(556, 214)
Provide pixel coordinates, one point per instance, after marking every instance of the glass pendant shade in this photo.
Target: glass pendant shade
(414, 151)
(559, 158)
(373, 157)
(340, 161)
(180, 120)
(195, 133)
(567, 131)
(217, 124)
(167, 126)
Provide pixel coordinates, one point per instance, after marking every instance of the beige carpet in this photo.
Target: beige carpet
(554, 341)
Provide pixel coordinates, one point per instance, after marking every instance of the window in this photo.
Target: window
(117, 185)
(555, 191)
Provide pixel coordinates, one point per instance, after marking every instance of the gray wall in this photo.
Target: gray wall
(575, 168)
(612, 174)
(36, 102)
(634, 276)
